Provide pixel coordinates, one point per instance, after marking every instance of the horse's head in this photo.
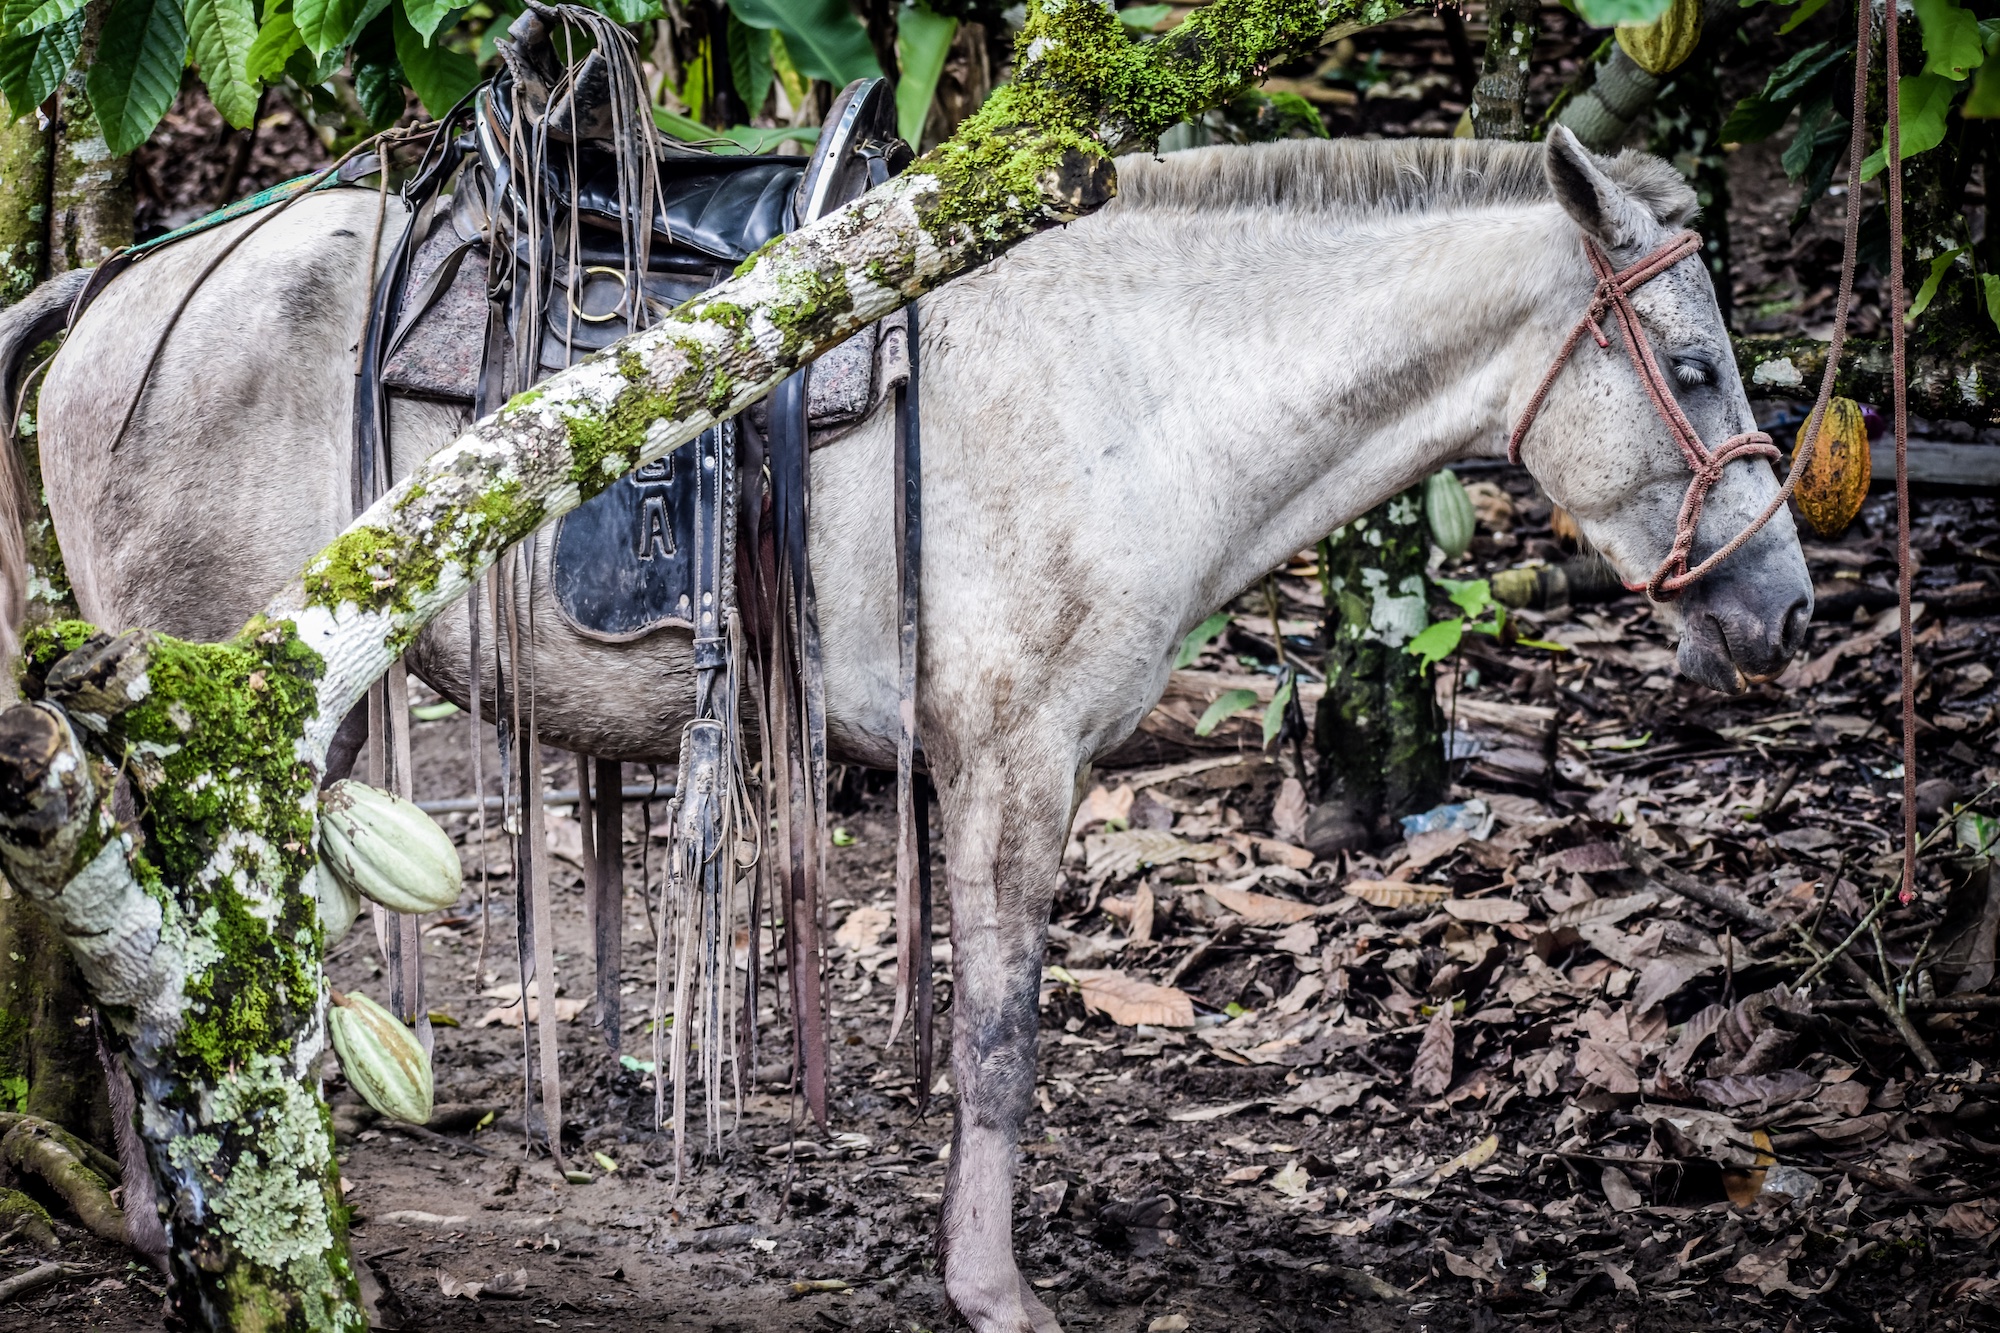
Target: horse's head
(1605, 451)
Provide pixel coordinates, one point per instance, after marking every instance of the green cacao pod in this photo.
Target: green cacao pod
(1667, 41)
(338, 906)
(1449, 511)
(386, 849)
(1835, 481)
(382, 1059)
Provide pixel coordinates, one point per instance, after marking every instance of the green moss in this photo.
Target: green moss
(375, 568)
(605, 446)
(755, 256)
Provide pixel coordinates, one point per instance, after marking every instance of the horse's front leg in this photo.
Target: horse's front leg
(1005, 819)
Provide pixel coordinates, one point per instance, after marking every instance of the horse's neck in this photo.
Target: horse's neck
(1316, 371)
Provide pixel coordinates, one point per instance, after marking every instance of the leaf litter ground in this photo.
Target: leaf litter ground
(1498, 1075)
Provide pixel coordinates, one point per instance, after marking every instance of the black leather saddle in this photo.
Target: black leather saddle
(621, 563)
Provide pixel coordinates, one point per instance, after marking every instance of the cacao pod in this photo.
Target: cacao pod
(1449, 511)
(1835, 481)
(386, 849)
(1667, 41)
(382, 1059)
(338, 906)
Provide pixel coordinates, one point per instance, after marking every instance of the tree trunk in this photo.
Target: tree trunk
(1499, 99)
(24, 207)
(1379, 736)
(90, 195)
(200, 938)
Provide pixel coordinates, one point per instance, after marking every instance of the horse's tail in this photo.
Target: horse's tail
(24, 326)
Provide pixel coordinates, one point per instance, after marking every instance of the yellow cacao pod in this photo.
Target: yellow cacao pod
(386, 849)
(1667, 41)
(1835, 481)
(382, 1059)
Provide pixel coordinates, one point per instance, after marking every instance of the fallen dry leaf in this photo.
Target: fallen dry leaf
(1103, 807)
(1394, 893)
(1202, 1114)
(1260, 909)
(864, 928)
(1288, 813)
(1430, 1073)
(1472, 1158)
(1109, 856)
(509, 1015)
(1327, 1093)
(1970, 1220)
(1128, 1002)
(1488, 911)
(1619, 1191)
(1299, 938)
(1292, 1182)
(1277, 852)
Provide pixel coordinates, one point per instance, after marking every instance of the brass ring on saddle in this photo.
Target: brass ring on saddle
(617, 308)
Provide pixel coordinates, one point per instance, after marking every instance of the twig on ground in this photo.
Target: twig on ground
(1826, 960)
(41, 1275)
(1725, 900)
(1194, 957)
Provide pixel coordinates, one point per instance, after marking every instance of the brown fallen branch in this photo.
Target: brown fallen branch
(60, 1160)
(41, 1275)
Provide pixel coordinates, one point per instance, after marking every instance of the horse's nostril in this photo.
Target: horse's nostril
(1793, 633)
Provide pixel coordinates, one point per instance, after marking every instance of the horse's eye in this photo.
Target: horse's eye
(1692, 372)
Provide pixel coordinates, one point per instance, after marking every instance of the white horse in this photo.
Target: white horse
(1126, 422)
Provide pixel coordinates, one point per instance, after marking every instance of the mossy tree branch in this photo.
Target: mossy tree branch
(198, 928)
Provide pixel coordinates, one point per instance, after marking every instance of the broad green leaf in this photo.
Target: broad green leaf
(694, 88)
(276, 41)
(1199, 638)
(1926, 293)
(923, 40)
(427, 16)
(746, 138)
(1952, 45)
(1144, 18)
(1760, 117)
(1984, 103)
(47, 15)
(325, 23)
(1229, 705)
(378, 86)
(750, 64)
(138, 69)
(1800, 15)
(631, 11)
(1439, 641)
(1976, 832)
(440, 76)
(1611, 13)
(796, 85)
(1923, 101)
(823, 37)
(1989, 285)
(220, 36)
(1274, 712)
(32, 65)
(1472, 596)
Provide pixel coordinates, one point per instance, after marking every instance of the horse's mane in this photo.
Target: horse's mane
(1353, 176)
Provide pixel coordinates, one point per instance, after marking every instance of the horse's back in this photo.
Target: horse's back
(235, 464)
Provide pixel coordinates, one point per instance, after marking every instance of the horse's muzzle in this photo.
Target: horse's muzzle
(1741, 626)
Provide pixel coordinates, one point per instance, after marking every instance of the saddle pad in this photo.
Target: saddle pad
(440, 356)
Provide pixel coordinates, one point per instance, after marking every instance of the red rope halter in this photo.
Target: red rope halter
(1614, 293)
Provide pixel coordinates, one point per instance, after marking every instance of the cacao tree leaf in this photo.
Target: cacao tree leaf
(630, 11)
(1758, 118)
(823, 37)
(750, 63)
(276, 41)
(1952, 45)
(1923, 101)
(48, 15)
(1229, 705)
(427, 16)
(440, 76)
(1199, 638)
(325, 23)
(923, 40)
(1437, 642)
(33, 64)
(220, 36)
(747, 138)
(1984, 103)
(137, 71)
(1274, 712)
(1394, 893)
(1928, 292)
(378, 86)
(1611, 13)
(1801, 14)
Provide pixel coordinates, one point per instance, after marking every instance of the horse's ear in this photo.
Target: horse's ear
(1597, 203)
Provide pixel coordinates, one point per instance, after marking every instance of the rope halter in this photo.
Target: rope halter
(1614, 294)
